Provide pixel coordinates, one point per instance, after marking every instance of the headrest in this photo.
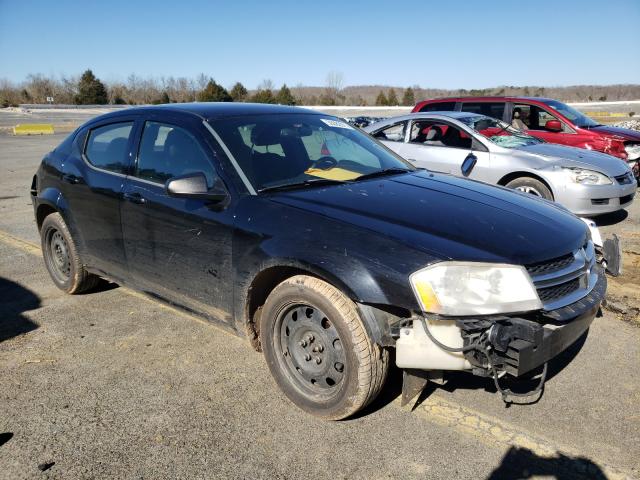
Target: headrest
(177, 142)
(266, 135)
(435, 133)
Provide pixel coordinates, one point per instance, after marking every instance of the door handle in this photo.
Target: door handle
(134, 198)
(70, 178)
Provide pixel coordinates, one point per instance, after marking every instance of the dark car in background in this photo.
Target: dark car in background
(550, 120)
(318, 244)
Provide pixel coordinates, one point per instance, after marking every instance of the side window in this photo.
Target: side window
(438, 134)
(536, 118)
(490, 109)
(106, 146)
(439, 107)
(394, 133)
(167, 151)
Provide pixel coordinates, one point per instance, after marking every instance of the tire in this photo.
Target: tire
(61, 257)
(318, 350)
(531, 186)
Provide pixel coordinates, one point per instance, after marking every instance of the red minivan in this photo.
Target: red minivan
(550, 120)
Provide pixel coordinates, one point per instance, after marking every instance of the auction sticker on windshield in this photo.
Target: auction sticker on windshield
(336, 123)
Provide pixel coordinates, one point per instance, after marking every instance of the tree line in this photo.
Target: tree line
(87, 89)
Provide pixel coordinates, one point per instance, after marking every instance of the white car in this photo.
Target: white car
(483, 148)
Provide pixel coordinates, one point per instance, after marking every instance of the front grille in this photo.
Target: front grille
(550, 266)
(626, 199)
(556, 292)
(564, 280)
(625, 179)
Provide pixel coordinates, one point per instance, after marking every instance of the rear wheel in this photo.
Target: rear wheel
(61, 257)
(531, 186)
(318, 350)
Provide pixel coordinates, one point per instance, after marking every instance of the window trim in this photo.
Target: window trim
(134, 165)
(85, 143)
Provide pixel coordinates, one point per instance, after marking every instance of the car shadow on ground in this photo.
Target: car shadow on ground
(16, 300)
(609, 219)
(102, 286)
(521, 463)
(465, 381)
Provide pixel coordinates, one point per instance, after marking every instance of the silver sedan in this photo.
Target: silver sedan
(483, 148)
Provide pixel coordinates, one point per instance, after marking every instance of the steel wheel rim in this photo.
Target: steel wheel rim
(58, 258)
(310, 349)
(529, 190)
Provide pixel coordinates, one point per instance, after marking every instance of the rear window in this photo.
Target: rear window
(490, 109)
(439, 107)
(107, 146)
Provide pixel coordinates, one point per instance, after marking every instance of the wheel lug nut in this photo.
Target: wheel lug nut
(318, 360)
(307, 357)
(303, 343)
(320, 348)
(310, 338)
(339, 367)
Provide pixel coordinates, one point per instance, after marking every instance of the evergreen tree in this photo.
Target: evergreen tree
(263, 96)
(409, 97)
(392, 98)
(381, 99)
(213, 92)
(91, 91)
(238, 92)
(285, 97)
(164, 98)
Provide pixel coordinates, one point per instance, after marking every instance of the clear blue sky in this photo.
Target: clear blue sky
(445, 44)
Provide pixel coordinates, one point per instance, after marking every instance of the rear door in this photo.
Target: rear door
(92, 182)
(177, 248)
(490, 109)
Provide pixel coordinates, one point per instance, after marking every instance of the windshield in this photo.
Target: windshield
(499, 132)
(577, 118)
(301, 150)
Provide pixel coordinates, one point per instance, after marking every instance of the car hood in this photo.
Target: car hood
(448, 217)
(577, 157)
(622, 133)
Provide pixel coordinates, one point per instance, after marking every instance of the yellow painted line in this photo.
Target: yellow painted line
(33, 129)
(435, 409)
(20, 244)
(501, 434)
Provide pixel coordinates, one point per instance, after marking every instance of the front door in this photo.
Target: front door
(177, 248)
(535, 119)
(441, 146)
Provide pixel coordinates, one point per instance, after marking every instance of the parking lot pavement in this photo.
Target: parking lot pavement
(112, 384)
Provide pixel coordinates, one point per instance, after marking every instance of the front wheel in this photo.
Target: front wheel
(531, 186)
(318, 350)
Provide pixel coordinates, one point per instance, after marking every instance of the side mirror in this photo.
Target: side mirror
(468, 164)
(194, 185)
(553, 126)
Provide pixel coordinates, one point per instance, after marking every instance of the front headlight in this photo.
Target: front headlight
(469, 288)
(587, 177)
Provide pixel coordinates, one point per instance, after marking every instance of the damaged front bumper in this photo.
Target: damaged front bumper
(514, 345)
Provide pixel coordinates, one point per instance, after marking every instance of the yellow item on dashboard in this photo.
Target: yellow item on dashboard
(333, 173)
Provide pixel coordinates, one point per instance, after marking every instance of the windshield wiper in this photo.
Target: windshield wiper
(381, 173)
(305, 183)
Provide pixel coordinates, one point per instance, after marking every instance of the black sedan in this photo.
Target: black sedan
(318, 244)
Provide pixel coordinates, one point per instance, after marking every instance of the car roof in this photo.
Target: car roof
(487, 98)
(214, 110)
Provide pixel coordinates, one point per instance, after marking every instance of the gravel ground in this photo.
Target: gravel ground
(111, 384)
